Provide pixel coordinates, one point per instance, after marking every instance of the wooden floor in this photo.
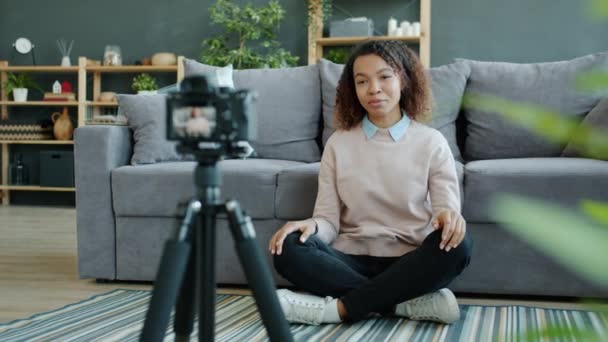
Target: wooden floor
(38, 265)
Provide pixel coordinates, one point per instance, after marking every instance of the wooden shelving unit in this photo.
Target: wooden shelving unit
(99, 70)
(83, 104)
(6, 104)
(35, 188)
(37, 142)
(40, 103)
(316, 41)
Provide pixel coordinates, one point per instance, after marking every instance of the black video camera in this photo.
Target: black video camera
(208, 118)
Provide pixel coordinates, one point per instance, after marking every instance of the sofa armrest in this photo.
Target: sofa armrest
(97, 151)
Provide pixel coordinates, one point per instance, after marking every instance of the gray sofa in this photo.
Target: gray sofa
(125, 212)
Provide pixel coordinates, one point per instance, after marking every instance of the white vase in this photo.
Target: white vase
(147, 92)
(65, 61)
(20, 94)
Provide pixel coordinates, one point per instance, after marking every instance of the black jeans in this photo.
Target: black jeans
(367, 284)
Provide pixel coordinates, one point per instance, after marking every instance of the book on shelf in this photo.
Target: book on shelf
(59, 97)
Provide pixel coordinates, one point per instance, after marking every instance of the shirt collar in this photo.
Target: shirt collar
(397, 131)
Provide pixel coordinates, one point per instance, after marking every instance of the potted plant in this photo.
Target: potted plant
(18, 84)
(319, 12)
(249, 36)
(144, 84)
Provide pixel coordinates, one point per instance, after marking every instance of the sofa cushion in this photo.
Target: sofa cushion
(157, 189)
(146, 117)
(223, 75)
(288, 109)
(597, 119)
(447, 83)
(297, 191)
(330, 73)
(550, 85)
(561, 180)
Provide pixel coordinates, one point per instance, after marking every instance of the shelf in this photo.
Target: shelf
(317, 43)
(337, 41)
(82, 106)
(102, 104)
(34, 188)
(39, 68)
(132, 68)
(40, 103)
(38, 142)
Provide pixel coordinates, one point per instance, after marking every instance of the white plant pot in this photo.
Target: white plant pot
(20, 94)
(147, 92)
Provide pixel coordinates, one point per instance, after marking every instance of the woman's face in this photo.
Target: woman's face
(378, 88)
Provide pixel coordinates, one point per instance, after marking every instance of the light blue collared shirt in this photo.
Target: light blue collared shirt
(396, 131)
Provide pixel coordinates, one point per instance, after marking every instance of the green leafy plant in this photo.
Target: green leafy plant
(16, 81)
(338, 55)
(249, 38)
(144, 82)
(577, 238)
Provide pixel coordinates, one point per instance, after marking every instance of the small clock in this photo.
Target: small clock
(23, 45)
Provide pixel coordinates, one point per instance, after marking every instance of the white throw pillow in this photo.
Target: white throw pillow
(224, 76)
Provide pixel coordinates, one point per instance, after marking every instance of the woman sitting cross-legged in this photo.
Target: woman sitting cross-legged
(386, 236)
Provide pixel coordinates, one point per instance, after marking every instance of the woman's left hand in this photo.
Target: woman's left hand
(454, 227)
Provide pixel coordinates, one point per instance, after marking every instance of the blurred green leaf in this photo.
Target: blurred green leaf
(600, 307)
(592, 81)
(559, 232)
(554, 332)
(561, 129)
(596, 210)
(598, 8)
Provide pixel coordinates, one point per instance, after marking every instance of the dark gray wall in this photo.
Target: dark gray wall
(515, 30)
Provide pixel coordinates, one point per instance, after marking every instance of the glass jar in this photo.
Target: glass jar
(112, 55)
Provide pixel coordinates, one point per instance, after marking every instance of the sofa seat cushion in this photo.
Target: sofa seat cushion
(297, 191)
(157, 189)
(560, 180)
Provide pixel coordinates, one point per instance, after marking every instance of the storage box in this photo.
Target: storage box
(57, 168)
(352, 27)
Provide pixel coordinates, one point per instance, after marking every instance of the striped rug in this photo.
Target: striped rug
(118, 316)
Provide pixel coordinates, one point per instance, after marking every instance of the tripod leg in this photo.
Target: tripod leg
(170, 274)
(258, 273)
(168, 280)
(183, 323)
(205, 274)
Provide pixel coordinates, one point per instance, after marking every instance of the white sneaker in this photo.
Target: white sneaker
(440, 306)
(303, 308)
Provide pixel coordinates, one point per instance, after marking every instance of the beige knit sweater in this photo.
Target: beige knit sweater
(377, 196)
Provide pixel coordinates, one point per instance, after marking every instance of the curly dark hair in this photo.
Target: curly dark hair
(415, 94)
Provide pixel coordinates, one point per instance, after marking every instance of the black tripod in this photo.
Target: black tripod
(187, 268)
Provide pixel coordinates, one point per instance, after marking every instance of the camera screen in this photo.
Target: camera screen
(194, 121)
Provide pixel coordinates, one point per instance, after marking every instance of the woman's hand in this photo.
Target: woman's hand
(307, 227)
(454, 227)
